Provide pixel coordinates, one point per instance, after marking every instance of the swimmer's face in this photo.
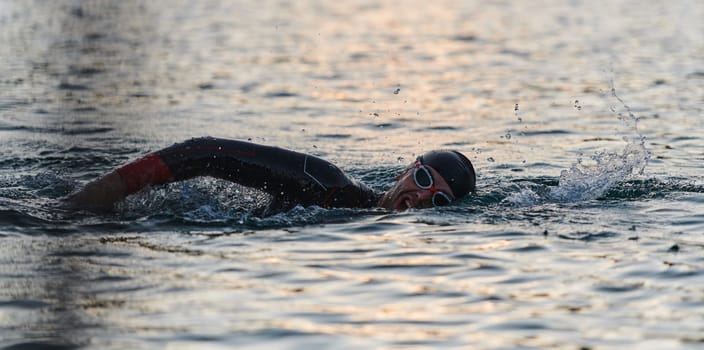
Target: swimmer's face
(406, 194)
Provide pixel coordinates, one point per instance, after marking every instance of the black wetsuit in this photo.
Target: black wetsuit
(291, 178)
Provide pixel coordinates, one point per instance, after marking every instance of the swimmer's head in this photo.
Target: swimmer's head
(454, 168)
(435, 178)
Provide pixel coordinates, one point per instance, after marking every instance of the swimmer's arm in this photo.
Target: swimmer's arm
(294, 176)
(100, 194)
(265, 168)
(261, 167)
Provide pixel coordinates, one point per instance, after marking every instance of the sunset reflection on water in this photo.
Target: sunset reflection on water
(529, 91)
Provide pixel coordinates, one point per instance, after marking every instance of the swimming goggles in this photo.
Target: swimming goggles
(424, 180)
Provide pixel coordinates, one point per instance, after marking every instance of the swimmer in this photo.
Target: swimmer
(436, 178)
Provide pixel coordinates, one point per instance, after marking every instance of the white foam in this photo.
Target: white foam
(584, 182)
(525, 198)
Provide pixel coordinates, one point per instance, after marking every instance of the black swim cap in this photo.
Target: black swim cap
(455, 168)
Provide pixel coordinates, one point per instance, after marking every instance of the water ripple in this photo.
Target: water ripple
(606, 254)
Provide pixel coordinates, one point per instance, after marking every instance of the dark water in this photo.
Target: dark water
(583, 119)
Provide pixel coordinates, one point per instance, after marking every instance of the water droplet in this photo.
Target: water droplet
(397, 91)
(515, 108)
(508, 136)
(400, 159)
(490, 159)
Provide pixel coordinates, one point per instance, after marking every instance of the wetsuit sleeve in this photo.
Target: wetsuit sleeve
(290, 177)
(148, 170)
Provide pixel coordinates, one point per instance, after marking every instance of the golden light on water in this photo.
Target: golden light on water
(525, 89)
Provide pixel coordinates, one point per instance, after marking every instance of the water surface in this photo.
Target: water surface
(583, 120)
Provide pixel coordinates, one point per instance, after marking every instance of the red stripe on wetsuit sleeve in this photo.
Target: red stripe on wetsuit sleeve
(149, 170)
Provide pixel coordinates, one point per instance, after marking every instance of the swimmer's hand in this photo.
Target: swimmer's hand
(98, 195)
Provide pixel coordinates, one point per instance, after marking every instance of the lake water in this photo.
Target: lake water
(582, 118)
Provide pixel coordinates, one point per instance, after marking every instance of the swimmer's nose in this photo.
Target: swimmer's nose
(424, 198)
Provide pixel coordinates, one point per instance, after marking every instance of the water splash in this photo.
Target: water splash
(577, 105)
(588, 180)
(524, 198)
(584, 182)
